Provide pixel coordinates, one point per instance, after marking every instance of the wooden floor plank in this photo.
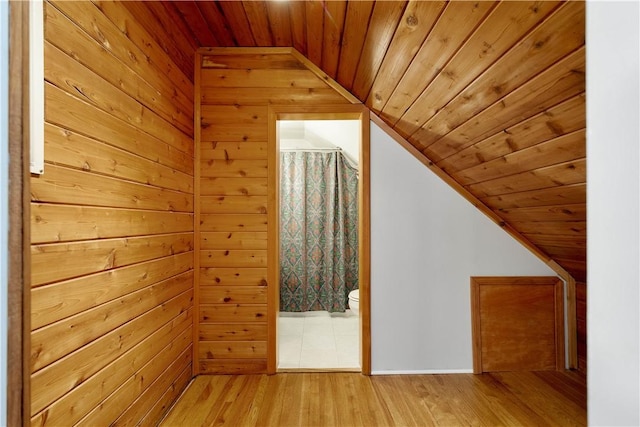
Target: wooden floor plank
(438, 400)
(543, 398)
(400, 401)
(351, 399)
(510, 409)
(199, 394)
(270, 407)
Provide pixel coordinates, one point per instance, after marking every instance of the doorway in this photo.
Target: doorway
(313, 331)
(318, 317)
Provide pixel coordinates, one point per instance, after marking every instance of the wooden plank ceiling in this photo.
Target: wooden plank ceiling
(493, 93)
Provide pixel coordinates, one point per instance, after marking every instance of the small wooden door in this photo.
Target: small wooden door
(517, 323)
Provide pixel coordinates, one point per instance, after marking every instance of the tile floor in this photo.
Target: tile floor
(318, 340)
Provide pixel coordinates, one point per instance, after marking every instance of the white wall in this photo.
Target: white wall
(4, 196)
(613, 258)
(342, 133)
(313, 134)
(426, 242)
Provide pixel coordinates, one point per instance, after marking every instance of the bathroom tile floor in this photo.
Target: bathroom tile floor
(319, 340)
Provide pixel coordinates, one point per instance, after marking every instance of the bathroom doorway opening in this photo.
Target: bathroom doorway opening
(319, 307)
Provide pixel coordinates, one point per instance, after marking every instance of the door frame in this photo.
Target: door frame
(318, 112)
(19, 260)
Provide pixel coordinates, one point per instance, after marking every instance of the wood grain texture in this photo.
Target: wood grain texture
(171, 61)
(334, 17)
(500, 97)
(231, 150)
(581, 319)
(253, 168)
(62, 376)
(416, 23)
(253, 59)
(199, 18)
(76, 115)
(564, 148)
(63, 223)
(565, 117)
(169, 33)
(353, 38)
(436, 50)
(17, 321)
(236, 166)
(84, 398)
(278, 14)
(562, 81)
(55, 261)
(197, 212)
(382, 25)
(237, 222)
(59, 300)
(233, 240)
(54, 341)
(126, 44)
(233, 276)
(67, 74)
(257, 17)
(148, 392)
(519, 65)
(233, 332)
(466, 83)
(505, 24)
(68, 148)
(509, 398)
(314, 12)
(236, 19)
(113, 217)
(240, 313)
(518, 324)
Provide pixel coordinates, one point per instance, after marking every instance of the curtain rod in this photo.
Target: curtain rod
(311, 149)
(353, 163)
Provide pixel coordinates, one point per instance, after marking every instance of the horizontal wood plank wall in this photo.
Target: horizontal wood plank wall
(112, 220)
(236, 87)
(490, 92)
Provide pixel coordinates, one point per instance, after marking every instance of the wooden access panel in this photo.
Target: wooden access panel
(517, 323)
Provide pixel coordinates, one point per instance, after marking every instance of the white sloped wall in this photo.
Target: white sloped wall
(426, 242)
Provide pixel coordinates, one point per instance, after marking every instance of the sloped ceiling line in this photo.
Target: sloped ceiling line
(492, 94)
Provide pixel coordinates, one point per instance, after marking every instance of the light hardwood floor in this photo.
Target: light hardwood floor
(347, 399)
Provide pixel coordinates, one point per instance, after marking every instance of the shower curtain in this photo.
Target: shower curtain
(318, 231)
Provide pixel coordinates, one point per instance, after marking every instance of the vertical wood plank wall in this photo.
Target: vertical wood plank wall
(112, 219)
(236, 87)
(18, 236)
(581, 320)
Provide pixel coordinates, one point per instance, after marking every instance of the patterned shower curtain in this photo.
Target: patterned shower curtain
(318, 231)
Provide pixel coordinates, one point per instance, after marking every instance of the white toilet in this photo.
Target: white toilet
(354, 300)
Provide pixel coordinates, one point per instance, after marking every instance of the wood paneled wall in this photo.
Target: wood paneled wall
(581, 319)
(490, 93)
(112, 220)
(236, 86)
(16, 322)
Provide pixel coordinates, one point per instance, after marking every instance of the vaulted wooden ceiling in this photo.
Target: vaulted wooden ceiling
(492, 93)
